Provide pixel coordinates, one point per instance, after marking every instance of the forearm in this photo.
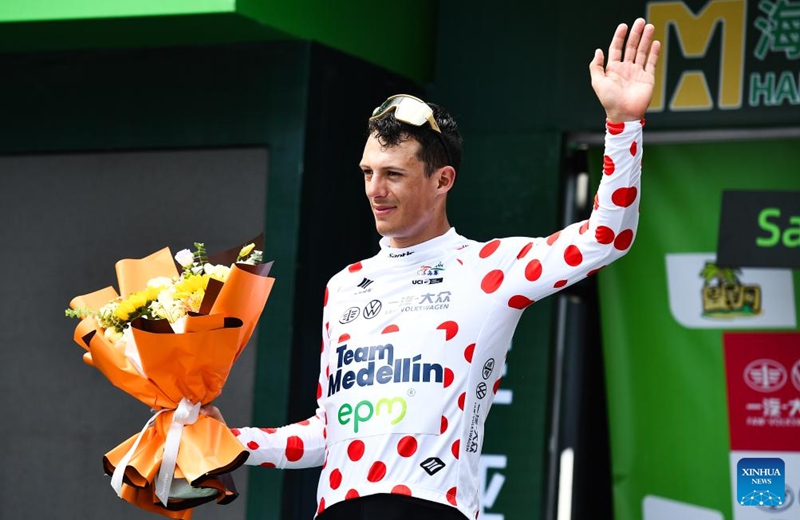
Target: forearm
(298, 445)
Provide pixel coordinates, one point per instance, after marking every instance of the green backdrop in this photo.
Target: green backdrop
(666, 385)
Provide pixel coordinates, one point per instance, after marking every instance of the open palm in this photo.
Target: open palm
(625, 85)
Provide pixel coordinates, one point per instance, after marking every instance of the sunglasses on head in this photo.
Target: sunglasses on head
(413, 111)
(407, 109)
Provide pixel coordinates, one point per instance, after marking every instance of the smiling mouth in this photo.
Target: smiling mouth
(382, 210)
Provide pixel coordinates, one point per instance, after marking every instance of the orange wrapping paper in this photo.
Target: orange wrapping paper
(194, 365)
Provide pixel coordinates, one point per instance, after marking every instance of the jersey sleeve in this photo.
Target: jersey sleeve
(298, 445)
(519, 271)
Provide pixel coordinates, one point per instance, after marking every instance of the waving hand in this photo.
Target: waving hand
(625, 85)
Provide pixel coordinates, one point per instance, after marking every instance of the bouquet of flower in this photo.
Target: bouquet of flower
(169, 339)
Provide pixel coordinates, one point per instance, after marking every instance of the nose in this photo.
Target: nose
(375, 186)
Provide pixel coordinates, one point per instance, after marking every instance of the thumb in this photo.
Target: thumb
(596, 66)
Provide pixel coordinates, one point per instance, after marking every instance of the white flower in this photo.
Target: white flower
(161, 281)
(218, 272)
(184, 257)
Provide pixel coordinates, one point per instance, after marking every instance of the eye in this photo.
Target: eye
(394, 174)
(367, 173)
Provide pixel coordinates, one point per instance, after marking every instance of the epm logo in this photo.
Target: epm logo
(723, 54)
(761, 482)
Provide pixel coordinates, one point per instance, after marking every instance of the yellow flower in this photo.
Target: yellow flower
(246, 250)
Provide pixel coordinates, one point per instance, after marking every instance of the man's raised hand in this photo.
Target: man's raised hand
(625, 85)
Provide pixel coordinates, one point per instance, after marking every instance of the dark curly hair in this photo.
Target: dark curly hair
(432, 151)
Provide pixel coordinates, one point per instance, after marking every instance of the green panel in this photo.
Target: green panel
(134, 32)
(39, 10)
(508, 186)
(400, 38)
(668, 413)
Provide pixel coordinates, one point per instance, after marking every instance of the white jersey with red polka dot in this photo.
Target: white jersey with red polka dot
(414, 342)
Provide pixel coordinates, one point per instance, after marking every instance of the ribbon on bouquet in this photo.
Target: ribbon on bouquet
(186, 413)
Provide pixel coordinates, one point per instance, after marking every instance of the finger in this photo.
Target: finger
(596, 66)
(652, 59)
(633, 40)
(615, 48)
(644, 45)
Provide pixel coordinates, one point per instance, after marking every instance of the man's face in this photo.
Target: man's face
(408, 205)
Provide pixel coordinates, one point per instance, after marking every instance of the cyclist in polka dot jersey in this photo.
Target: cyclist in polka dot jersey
(414, 338)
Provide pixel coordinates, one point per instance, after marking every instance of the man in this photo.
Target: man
(414, 338)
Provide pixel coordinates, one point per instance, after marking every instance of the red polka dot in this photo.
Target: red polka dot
(615, 128)
(319, 390)
(491, 282)
(321, 507)
(459, 261)
(552, 238)
(407, 446)
(236, 432)
(268, 430)
(390, 328)
(355, 450)
(461, 399)
(443, 426)
(633, 148)
(324, 433)
(327, 325)
(253, 445)
(451, 495)
(497, 385)
(450, 328)
(401, 490)
(328, 371)
(336, 479)
(524, 250)
(322, 348)
(624, 240)
(573, 256)
(583, 227)
(594, 271)
(519, 302)
(376, 472)
(267, 465)
(596, 201)
(604, 235)
(560, 283)
(624, 197)
(351, 494)
(448, 377)
(355, 267)
(489, 248)
(608, 165)
(325, 298)
(455, 448)
(294, 448)
(641, 121)
(304, 422)
(533, 270)
(468, 352)
(344, 337)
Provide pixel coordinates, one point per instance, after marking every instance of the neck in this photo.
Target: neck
(431, 232)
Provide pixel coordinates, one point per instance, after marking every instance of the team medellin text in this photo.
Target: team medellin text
(377, 365)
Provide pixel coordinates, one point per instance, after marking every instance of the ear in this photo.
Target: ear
(447, 177)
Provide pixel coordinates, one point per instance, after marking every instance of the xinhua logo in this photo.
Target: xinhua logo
(761, 482)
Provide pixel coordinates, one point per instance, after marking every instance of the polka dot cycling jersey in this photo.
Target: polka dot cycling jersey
(414, 342)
